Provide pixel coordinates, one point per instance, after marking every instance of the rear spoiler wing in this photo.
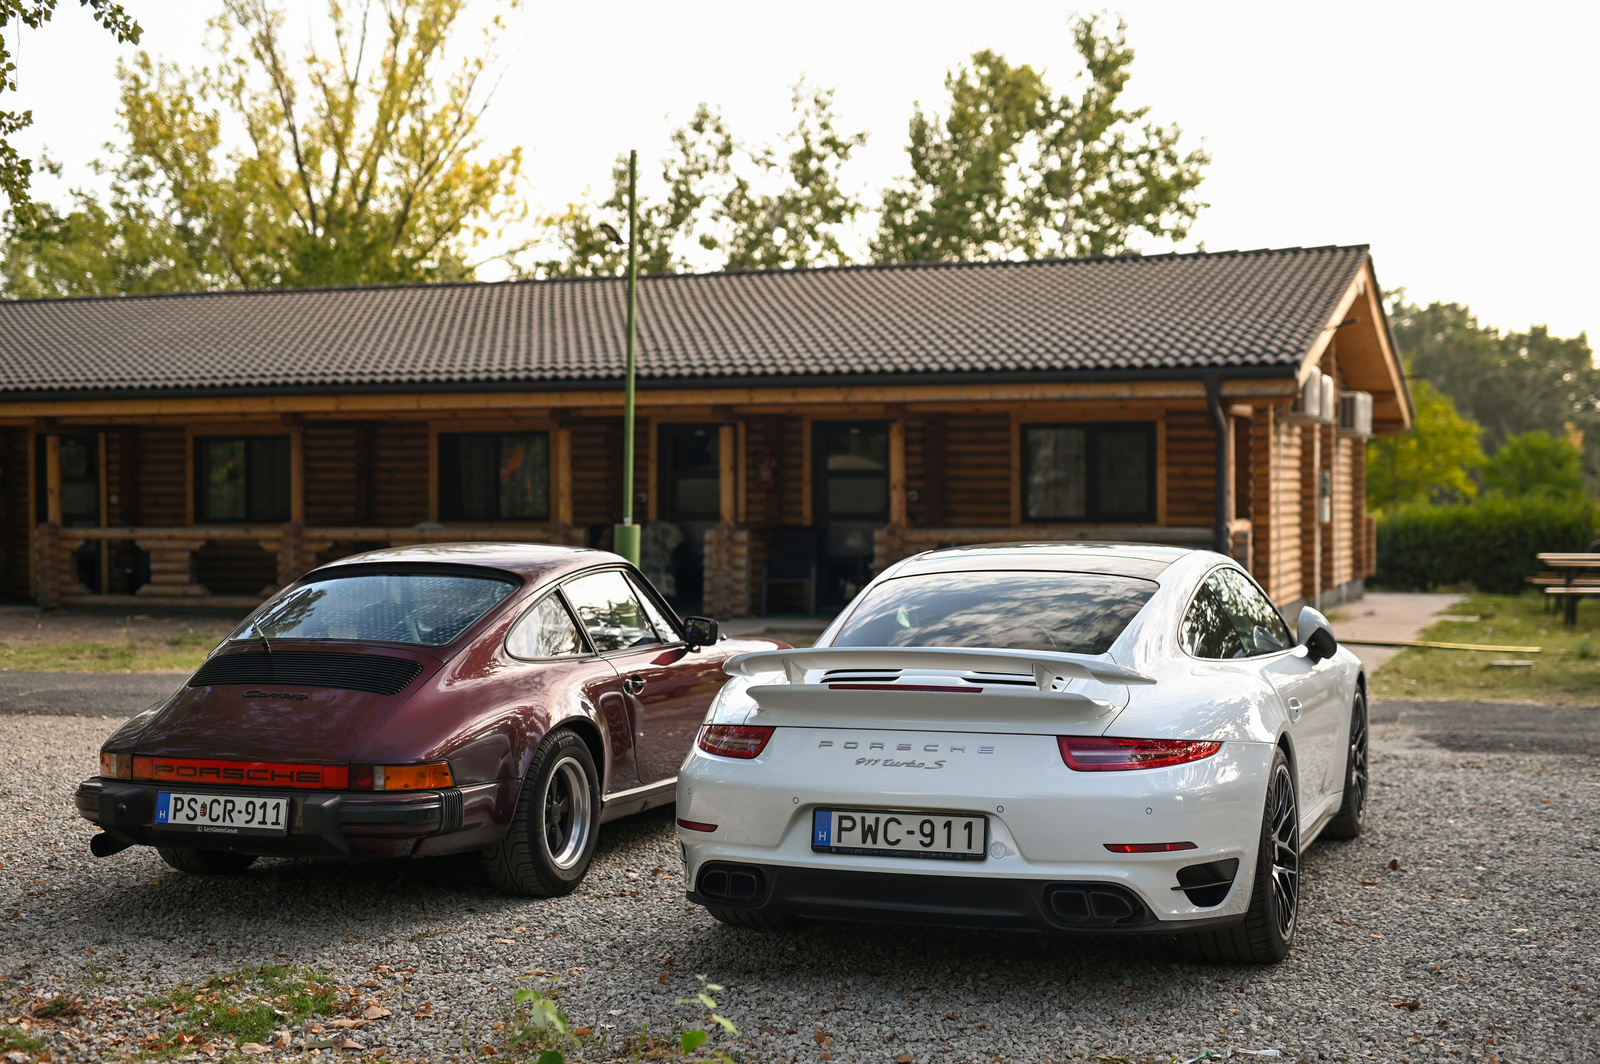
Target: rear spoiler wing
(1043, 666)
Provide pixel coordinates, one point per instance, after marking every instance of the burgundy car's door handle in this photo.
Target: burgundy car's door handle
(633, 684)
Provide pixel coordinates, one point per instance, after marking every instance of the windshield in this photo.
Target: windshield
(428, 609)
(1077, 613)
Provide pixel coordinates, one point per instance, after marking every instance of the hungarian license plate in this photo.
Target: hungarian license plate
(223, 814)
(891, 833)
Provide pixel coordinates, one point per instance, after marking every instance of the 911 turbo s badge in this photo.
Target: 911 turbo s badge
(889, 761)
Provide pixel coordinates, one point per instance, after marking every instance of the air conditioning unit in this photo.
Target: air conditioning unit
(1317, 403)
(1355, 414)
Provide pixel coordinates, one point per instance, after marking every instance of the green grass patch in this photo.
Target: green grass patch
(11, 1038)
(245, 1006)
(183, 653)
(1567, 671)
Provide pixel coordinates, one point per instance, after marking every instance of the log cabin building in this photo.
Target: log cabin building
(797, 430)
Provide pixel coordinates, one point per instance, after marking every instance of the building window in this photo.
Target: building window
(1089, 472)
(242, 478)
(494, 476)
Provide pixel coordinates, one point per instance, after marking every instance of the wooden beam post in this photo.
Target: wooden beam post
(561, 474)
(728, 469)
(297, 475)
(52, 478)
(897, 471)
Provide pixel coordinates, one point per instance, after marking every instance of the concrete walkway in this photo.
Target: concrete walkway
(1387, 615)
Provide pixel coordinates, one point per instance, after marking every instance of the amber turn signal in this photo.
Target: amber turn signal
(428, 777)
(116, 766)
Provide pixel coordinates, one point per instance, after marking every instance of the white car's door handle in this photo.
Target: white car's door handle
(1294, 708)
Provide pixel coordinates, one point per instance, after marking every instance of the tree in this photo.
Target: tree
(1431, 463)
(1535, 463)
(1012, 169)
(16, 172)
(346, 174)
(726, 205)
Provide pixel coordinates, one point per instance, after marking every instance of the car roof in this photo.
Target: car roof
(1140, 560)
(534, 561)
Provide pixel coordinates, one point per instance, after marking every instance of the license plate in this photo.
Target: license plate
(891, 833)
(223, 814)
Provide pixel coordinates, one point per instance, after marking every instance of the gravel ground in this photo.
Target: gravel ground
(1459, 927)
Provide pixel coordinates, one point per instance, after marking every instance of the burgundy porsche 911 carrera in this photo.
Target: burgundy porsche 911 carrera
(502, 697)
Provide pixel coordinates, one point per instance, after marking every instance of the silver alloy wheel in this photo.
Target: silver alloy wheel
(566, 813)
(1285, 853)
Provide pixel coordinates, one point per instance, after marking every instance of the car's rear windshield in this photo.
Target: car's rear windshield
(429, 608)
(1077, 613)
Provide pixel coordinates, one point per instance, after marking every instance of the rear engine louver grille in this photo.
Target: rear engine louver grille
(374, 673)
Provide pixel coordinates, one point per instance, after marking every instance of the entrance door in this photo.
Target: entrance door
(851, 465)
(80, 496)
(690, 501)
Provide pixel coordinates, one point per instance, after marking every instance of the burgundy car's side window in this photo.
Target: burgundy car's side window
(609, 610)
(546, 631)
(658, 620)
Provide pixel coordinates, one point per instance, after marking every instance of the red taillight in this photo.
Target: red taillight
(1093, 754)
(1149, 847)
(734, 740)
(240, 773)
(695, 825)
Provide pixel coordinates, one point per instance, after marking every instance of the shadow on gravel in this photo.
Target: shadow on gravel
(1496, 727)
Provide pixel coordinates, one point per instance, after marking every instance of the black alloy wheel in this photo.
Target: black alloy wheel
(547, 850)
(1265, 933)
(1347, 825)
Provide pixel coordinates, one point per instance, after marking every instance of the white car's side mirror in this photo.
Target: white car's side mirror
(1314, 633)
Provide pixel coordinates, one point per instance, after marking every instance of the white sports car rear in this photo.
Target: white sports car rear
(1108, 738)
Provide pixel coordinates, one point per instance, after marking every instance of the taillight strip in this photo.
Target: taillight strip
(180, 770)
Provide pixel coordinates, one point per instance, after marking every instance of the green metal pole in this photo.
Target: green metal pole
(627, 533)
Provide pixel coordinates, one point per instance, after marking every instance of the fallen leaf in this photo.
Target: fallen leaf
(209, 1049)
(1442, 1023)
(904, 1058)
(824, 1055)
(1374, 936)
(1412, 1005)
(664, 978)
(1369, 882)
(376, 1012)
(1519, 930)
(1346, 923)
(669, 959)
(345, 1024)
(17, 1056)
(255, 1048)
(281, 1039)
(1413, 1037)
(822, 1038)
(1394, 865)
(583, 1032)
(507, 941)
(347, 1043)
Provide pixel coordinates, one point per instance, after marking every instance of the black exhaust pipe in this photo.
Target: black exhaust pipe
(106, 843)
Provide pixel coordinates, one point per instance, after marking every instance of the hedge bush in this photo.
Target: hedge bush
(1490, 544)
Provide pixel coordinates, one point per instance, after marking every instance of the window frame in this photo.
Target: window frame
(1092, 431)
(535, 603)
(1200, 586)
(638, 584)
(497, 435)
(201, 468)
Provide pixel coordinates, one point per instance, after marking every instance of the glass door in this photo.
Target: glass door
(851, 478)
(672, 550)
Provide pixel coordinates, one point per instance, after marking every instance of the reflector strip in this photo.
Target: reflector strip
(1149, 847)
(241, 773)
(694, 825)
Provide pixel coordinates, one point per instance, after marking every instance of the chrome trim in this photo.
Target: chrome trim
(633, 794)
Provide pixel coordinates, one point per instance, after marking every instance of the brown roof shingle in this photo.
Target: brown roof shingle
(1182, 313)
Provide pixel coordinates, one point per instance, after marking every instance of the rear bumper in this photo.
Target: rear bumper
(947, 901)
(322, 824)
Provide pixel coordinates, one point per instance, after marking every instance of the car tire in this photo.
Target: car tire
(1267, 930)
(547, 850)
(754, 921)
(1347, 824)
(205, 862)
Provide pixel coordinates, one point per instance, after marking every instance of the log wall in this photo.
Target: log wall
(335, 490)
(161, 471)
(400, 472)
(15, 559)
(1191, 468)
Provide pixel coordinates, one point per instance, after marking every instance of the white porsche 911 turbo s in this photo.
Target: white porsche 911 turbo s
(1061, 737)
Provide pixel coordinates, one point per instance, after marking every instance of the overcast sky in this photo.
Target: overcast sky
(1459, 139)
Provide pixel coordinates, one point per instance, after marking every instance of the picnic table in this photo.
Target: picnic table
(1579, 575)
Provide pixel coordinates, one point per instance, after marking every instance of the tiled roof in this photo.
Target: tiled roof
(1169, 312)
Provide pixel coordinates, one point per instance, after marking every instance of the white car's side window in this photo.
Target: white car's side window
(1257, 622)
(1206, 631)
(546, 631)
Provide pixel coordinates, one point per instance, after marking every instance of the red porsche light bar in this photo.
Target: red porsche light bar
(1149, 847)
(1084, 753)
(734, 740)
(241, 773)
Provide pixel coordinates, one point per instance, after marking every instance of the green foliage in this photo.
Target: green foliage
(540, 1025)
(347, 175)
(1535, 463)
(1490, 544)
(772, 206)
(16, 172)
(1431, 463)
(1509, 383)
(245, 1006)
(1013, 169)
